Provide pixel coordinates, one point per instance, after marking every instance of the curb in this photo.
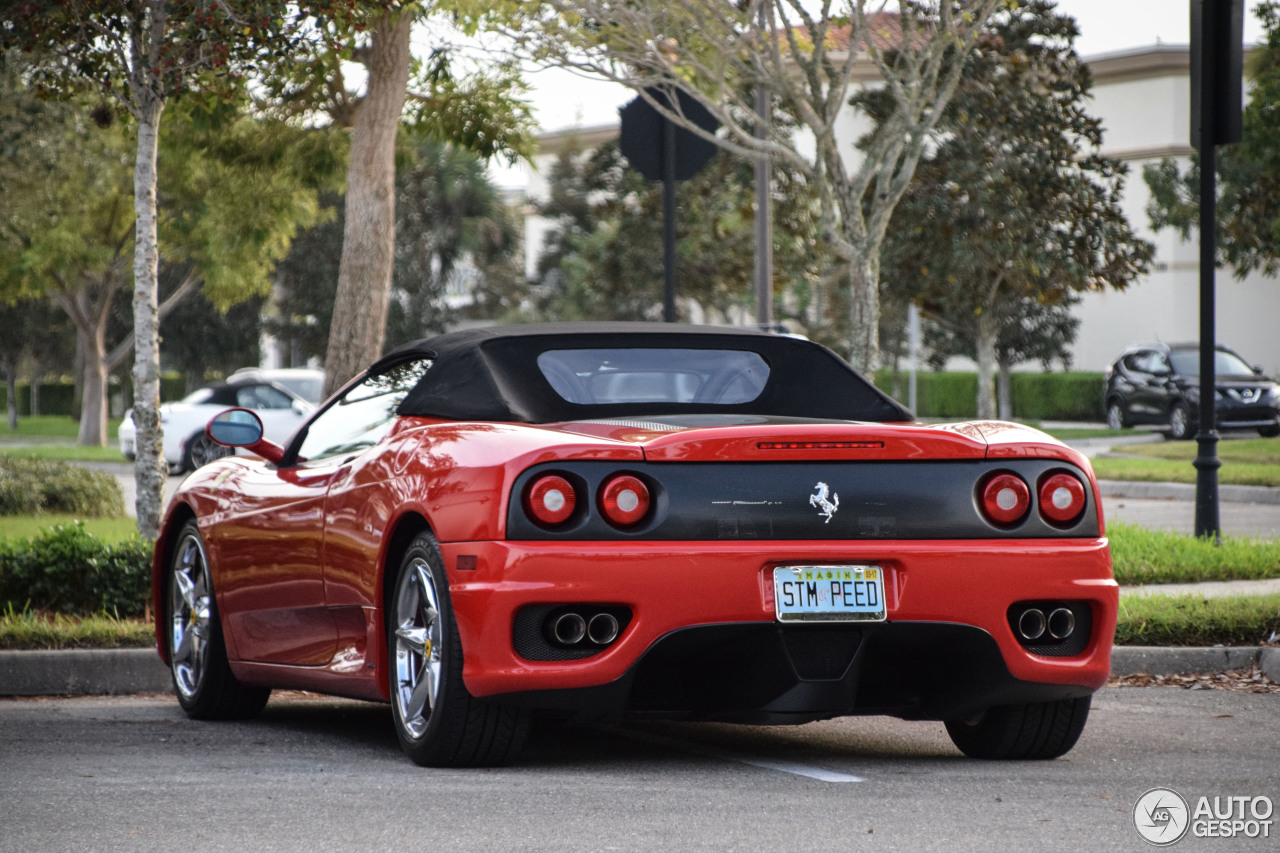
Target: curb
(71, 672)
(117, 672)
(1186, 492)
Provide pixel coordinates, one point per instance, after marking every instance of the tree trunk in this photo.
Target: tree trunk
(864, 312)
(93, 402)
(368, 246)
(11, 389)
(985, 344)
(149, 468)
(1005, 390)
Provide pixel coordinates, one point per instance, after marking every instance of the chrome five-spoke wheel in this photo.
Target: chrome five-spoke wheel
(438, 722)
(202, 677)
(418, 643)
(189, 606)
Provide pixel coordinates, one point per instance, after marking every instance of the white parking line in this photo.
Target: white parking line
(725, 755)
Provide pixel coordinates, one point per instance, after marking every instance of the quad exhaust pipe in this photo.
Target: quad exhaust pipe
(573, 627)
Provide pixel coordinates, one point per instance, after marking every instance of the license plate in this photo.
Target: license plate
(829, 593)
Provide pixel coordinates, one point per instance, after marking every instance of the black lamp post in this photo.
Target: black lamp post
(1217, 63)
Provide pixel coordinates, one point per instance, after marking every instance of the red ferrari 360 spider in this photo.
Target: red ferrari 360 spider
(610, 521)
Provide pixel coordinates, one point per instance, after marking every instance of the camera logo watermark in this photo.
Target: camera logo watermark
(1163, 817)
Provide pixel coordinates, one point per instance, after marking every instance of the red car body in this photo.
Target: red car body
(303, 556)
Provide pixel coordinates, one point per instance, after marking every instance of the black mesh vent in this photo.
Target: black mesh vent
(530, 640)
(821, 654)
(1047, 646)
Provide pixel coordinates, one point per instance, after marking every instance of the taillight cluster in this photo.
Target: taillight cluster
(552, 500)
(1006, 499)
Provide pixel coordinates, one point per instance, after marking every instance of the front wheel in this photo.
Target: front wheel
(201, 450)
(438, 722)
(1035, 731)
(1179, 422)
(202, 677)
(1115, 416)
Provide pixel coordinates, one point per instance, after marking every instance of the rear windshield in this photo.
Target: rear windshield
(653, 375)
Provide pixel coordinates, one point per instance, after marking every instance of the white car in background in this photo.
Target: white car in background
(186, 447)
(306, 382)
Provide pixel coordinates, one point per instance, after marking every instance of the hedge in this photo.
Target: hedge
(1067, 396)
(68, 570)
(34, 486)
(58, 398)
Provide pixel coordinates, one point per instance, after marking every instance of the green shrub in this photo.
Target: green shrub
(31, 486)
(1073, 396)
(67, 570)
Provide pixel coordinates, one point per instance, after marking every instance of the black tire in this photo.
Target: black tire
(1116, 416)
(438, 723)
(202, 678)
(201, 450)
(1180, 425)
(1269, 431)
(1036, 731)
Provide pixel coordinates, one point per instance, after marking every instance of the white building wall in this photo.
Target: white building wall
(1143, 100)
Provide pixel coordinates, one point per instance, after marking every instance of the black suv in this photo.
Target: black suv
(1160, 384)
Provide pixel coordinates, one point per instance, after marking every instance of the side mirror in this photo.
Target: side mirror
(236, 428)
(243, 428)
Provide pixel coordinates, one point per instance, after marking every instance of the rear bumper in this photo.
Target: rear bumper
(703, 641)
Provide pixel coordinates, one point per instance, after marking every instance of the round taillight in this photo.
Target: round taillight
(624, 500)
(550, 500)
(1062, 498)
(1005, 499)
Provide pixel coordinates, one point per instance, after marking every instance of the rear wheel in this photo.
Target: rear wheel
(1037, 730)
(202, 678)
(438, 722)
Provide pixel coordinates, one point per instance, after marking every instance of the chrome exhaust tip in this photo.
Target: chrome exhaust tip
(1062, 623)
(569, 629)
(1032, 624)
(602, 629)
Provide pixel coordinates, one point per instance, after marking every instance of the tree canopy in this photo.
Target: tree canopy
(142, 55)
(809, 59)
(1014, 208)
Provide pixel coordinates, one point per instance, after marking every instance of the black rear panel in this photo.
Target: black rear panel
(801, 500)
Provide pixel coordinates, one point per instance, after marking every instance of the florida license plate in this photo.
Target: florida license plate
(829, 593)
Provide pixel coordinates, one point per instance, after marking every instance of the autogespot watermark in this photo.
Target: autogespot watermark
(1163, 817)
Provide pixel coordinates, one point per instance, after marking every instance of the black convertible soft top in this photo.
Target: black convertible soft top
(492, 374)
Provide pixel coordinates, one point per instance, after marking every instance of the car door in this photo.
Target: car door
(344, 444)
(1147, 387)
(269, 549)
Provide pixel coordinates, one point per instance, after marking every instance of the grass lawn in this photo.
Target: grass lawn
(1245, 462)
(31, 526)
(53, 437)
(1142, 556)
(1191, 620)
(48, 428)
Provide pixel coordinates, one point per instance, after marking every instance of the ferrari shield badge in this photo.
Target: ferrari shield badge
(826, 501)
